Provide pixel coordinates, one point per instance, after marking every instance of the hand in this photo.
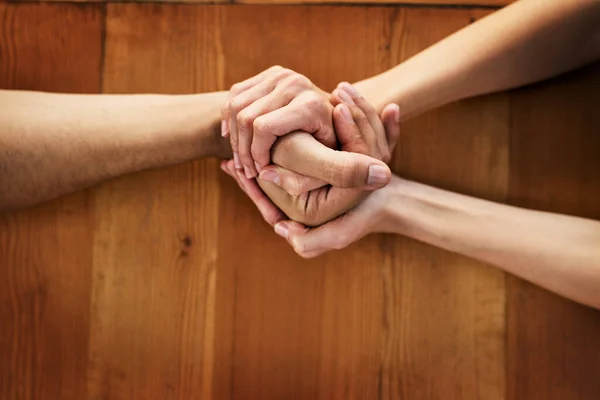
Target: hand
(271, 104)
(368, 217)
(359, 129)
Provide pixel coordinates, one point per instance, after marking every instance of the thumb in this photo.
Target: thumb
(310, 243)
(390, 116)
(302, 153)
(292, 182)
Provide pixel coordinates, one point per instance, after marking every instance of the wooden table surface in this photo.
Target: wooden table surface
(167, 284)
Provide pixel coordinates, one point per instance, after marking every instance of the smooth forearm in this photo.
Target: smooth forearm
(51, 144)
(528, 41)
(558, 252)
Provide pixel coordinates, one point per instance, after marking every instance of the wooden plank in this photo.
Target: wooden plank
(388, 317)
(555, 166)
(156, 247)
(46, 252)
(471, 3)
(448, 335)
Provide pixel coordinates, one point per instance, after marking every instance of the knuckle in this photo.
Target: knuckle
(236, 104)
(276, 68)
(340, 242)
(345, 173)
(314, 102)
(260, 126)
(236, 88)
(298, 80)
(301, 80)
(245, 120)
(299, 247)
(292, 185)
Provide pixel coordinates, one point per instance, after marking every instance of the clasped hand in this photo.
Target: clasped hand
(314, 155)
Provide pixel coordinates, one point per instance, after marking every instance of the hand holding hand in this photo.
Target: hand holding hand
(359, 130)
(271, 104)
(368, 217)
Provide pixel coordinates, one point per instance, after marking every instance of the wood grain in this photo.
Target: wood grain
(472, 3)
(364, 322)
(447, 339)
(168, 285)
(46, 252)
(555, 166)
(155, 247)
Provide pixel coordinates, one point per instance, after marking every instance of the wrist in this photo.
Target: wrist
(413, 91)
(411, 210)
(199, 119)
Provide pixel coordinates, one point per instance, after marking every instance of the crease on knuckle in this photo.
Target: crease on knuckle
(245, 120)
(260, 126)
(296, 79)
(299, 247)
(292, 185)
(344, 173)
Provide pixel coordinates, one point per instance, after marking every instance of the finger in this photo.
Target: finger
(292, 182)
(238, 122)
(366, 131)
(371, 114)
(302, 153)
(224, 128)
(390, 116)
(268, 127)
(336, 234)
(348, 134)
(335, 97)
(244, 85)
(283, 228)
(268, 210)
(277, 98)
(226, 169)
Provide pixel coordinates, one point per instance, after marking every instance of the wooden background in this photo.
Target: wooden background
(168, 285)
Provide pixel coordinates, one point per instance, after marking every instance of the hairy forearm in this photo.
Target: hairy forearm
(51, 144)
(558, 252)
(528, 41)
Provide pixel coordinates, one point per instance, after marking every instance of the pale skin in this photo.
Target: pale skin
(52, 144)
(526, 42)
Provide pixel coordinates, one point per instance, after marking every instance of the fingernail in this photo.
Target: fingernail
(247, 172)
(345, 97)
(236, 161)
(257, 166)
(223, 128)
(396, 109)
(351, 90)
(378, 176)
(270, 176)
(346, 112)
(282, 230)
